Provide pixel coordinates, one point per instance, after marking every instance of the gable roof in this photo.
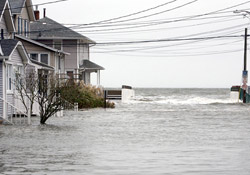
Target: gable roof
(5, 12)
(89, 65)
(17, 6)
(47, 28)
(8, 46)
(2, 5)
(40, 44)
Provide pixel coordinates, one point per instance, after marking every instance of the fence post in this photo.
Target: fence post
(29, 113)
(105, 99)
(76, 107)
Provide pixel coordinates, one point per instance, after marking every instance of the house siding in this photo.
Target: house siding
(12, 97)
(31, 48)
(83, 53)
(70, 46)
(25, 16)
(3, 24)
(16, 58)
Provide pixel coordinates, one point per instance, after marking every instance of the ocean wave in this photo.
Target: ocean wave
(185, 100)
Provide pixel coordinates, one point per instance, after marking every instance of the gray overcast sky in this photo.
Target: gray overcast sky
(203, 63)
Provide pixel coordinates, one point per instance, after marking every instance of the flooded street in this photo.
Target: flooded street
(155, 134)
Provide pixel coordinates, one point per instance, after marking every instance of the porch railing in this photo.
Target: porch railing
(13, 115)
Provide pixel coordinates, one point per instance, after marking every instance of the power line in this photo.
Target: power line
(167, 40)
(79, 26)
(194, 16)
(184, 19)
(45, 3)
(158, 29)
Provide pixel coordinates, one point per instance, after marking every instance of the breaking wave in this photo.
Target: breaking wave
(185, 100)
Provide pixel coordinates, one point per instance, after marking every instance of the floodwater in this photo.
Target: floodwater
(160, 132)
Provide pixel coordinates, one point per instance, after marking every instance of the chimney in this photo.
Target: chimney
(44, 12)
(37, 13)
(2, 34)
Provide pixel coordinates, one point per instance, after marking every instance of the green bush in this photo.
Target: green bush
(86, 96)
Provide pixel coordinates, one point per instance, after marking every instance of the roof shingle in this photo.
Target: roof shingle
(47, 28)
(89, 65)
(16, 6)
(8, 45)
(2, 4)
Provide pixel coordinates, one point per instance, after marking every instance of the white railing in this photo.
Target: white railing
(10, 111)
(66, 106)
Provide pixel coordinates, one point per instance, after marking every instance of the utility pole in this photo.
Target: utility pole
(245, 72)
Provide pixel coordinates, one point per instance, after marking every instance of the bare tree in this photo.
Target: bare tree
(26, 87)
(49, 96)
(43, 89)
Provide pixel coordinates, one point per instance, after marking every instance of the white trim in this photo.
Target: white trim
(9, 75)
(4, 89)
(10, 17)
(3, 10)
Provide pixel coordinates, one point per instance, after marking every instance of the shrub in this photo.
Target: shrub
(86, 96)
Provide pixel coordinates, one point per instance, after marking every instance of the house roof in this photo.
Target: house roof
(89, 65)
(40, 44)
(47, 28)
(42, 65)
(2, 5)
(8, 46)
(4, 11)
(17, 6)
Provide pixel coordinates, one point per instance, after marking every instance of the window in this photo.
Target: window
(40, 57)
(18, 69)
(9, 77)
(19, 25)
(44, 58)
(26, 27)
(18, 80)
(34, 56)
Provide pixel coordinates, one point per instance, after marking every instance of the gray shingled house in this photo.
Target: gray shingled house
(77, 65)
